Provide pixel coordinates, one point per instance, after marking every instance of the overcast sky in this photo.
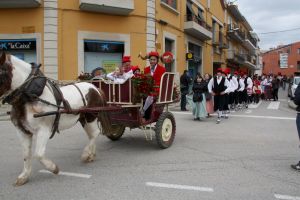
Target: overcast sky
(272, 15)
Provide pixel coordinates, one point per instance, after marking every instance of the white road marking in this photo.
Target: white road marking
(254, 105)
(274, 105)
(283, 100)
(246, 116)
(68, 174)
(286, 197)
(181, 187)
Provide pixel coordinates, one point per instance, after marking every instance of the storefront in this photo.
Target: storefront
(195, 64)
(102, 54)
(24, 49)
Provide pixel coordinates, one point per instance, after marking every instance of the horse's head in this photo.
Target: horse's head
(6, 74)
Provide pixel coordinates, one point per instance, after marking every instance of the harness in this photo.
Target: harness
(32, 89)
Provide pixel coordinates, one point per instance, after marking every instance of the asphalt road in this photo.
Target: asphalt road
(247, 156)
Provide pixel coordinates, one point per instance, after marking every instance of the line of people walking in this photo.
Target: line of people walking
(221, 93)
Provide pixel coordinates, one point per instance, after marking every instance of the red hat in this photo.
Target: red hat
(126, 59)
(236, 73)
(242, 73)
(228, 70)
(224, 71)
(219, 70)
(153, 53)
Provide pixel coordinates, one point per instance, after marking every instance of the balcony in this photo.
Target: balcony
(235, 57)
(250, 43)
(234, 33)
(114, 7)
(20, 3)
(234, 10)
(250, 63)
(197, 27)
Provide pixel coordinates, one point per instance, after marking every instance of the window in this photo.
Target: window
(171, 3)
(169, 46)
(200, 14)
(298, 51)
(298, 65)
(214, 23)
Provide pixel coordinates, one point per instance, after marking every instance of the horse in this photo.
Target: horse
(14, 73)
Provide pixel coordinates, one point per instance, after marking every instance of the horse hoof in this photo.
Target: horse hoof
(56, 170)
(20, 181)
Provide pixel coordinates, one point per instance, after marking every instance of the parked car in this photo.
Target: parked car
(293, 85)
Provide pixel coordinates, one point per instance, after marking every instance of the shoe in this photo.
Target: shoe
(218, 121)
(195, 119)
(199, 119)
(183, 109)
(226, 117)
(296, 167)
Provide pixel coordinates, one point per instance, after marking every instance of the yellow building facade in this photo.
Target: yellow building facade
(73, 36)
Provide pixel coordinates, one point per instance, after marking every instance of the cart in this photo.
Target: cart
(123, 111)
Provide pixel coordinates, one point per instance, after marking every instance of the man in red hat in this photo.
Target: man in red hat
(218, 87)
(156, 71)
(123, 73)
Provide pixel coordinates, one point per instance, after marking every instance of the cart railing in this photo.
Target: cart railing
(123, 94)
(166, 88)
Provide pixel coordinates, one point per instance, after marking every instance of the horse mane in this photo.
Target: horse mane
(5, 74)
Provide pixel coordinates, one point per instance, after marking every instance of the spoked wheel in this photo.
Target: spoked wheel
(117, 132)
(165, 130)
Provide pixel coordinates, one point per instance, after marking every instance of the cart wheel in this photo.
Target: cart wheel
(165, 130)
(118, 131)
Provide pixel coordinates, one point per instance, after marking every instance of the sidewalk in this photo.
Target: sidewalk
(3, 109)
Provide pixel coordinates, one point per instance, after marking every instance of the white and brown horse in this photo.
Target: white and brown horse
(13, 74)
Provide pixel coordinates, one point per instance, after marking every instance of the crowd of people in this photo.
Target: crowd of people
(227, 91)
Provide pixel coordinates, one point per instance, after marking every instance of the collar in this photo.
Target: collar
(12, 95)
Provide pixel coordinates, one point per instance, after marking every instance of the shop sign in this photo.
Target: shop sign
(103, 46)
(8, 45)
(283, 60)
(110, 65)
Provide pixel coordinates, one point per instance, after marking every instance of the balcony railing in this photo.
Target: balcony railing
(197, 27)
(235, 33)
(20, 3)
(199, 21)
(115, 7)
(171, 3)
(236, 57)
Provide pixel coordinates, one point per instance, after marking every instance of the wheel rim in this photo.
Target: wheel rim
(167, 129)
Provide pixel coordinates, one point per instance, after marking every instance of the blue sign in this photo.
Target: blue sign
(26, 44)
(103, 46)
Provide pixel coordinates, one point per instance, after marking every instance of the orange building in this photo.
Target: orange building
(283, 59)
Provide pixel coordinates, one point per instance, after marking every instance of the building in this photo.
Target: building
(74, 36)
(243, 50)
(284, 59)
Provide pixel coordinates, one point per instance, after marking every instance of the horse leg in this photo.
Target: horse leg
(89, 152)
(26, 141)
(40, 149)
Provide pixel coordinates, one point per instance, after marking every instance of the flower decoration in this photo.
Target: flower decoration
(144, 86)
(83, 76)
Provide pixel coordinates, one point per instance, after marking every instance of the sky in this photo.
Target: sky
(272, 16)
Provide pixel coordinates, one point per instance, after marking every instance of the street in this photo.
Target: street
(247, 156)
